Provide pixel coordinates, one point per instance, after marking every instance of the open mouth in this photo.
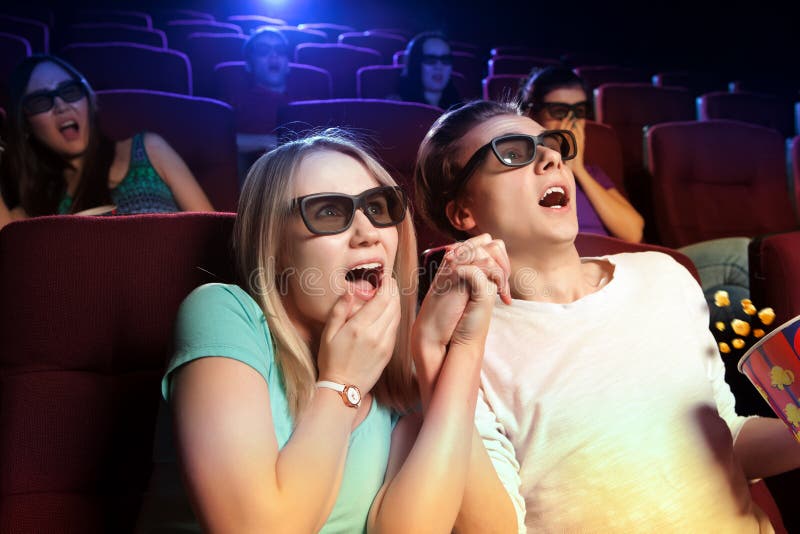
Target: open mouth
(365, 278)
(555, 198)
(69, 129)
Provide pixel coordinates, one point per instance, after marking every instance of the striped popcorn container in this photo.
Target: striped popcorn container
(773, 366)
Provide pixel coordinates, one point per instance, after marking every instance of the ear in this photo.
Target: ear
(460, 216)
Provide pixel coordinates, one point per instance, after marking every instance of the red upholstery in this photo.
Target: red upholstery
(13, 49)
(113, 16)
(340, 60)
(36, 33)
(518, 64)
(774, 269)
(178, 31)
(396, 146)
(696, 82)
(81, 357)
(377, 81)
(405, 33)
(595, 76)
(296, 36)
(472, 68)
(385, 43)
(601, 245)
(794, 172)
(205, 51)
(501, 86)
(250, 23)
(603, 149)
(701, 191)
(122, 33)
(330, 29)
(131, 66)
(304, 82)
(201, 130)
(629, 107)
(755, 108)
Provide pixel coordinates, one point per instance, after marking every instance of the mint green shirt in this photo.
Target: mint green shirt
(223, 320)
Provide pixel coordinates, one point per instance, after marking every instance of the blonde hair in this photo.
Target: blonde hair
(261, 223)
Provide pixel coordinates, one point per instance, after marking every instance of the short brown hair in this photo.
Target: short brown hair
(437, 167)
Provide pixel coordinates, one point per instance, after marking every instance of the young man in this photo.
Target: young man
(603, 404)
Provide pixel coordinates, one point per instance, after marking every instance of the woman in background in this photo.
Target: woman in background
(427, 75)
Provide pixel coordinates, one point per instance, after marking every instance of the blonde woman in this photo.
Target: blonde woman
(293, 393)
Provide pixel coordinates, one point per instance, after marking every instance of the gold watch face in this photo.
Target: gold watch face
(352, 394)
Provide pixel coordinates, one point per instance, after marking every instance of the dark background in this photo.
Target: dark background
(756, 40)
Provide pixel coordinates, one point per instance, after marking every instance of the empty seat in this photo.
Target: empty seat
(701, 191)
(81, 359)
(113, 16)
(502, 86)
(630, 107)
(201, 130)
(595, 76)
(304, 82)
(696, 82)
(468, 64)
(518, 64)
(13, 49)
(774, 266)
(603, 150)
(295, 36)
(250, 23)
(205, 51)
(330, 29)
(341, 61)
(386, 44)
(163, 15)
(35, 32)
(394, 129)
(178, 31)
(756, 108)
(112, 32)
(377, 81)
(131, 66)
(40, 13)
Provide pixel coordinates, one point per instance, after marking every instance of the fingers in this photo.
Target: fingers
(338, 316)
(487, 254)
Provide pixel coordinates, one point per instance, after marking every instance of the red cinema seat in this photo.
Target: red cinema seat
(472, 68)
(201, 130)
(163, 15)
(755, 108)
(702, 192)
(112, 16)
(35, 32)
(377, 81)
(81, 359)
(328, 28)
(385, 43)
(178, 31)
(206, 51)
(774, 264)
(131, 66)
(106, 32)
(518, 64)
(595, 76)
(603, 149)
(295, 36)
(341, 61)
(502, 87)
(250, 23)
(303, 82)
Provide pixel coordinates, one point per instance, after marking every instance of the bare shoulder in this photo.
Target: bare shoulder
(122, 159)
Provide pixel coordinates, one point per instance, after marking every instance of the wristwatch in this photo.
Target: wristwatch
(351, 395)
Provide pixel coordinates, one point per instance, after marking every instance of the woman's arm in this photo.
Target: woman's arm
(425, 487)
(172, 169)
(8, 216)
(237, 478)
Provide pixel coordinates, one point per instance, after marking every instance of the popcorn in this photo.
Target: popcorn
(738, 343)
(757, 333)
(742, 328)
(722, 299)
(766, 316)
(724, 348)
(720, 326)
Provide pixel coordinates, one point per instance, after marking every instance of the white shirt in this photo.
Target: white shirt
(611, 413)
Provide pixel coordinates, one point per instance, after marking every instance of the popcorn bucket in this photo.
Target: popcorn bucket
(773, 366)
